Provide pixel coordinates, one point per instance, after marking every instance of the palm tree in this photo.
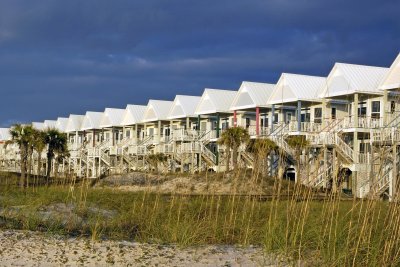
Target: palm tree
(232, 138)
(39, 144)
(56, 144)
(298, 143)
(21, 135)
(155, 159)
(261, 149)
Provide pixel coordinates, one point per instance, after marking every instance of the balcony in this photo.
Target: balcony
(263, 131)
(309, 127)
(363, 122)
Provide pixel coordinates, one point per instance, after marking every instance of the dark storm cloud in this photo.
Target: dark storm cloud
(62, 57)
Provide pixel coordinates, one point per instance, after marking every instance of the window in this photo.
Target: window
(305, 117)
(203, 125)
(333, 113)
(288, 117)
(214, 125)
(362, 109)
(276, 119)
(128, 134)
(318, 115)
(262, 122)
(376, 109)
(225, 124)
(167, 132)
(247, 123)
(392, 107)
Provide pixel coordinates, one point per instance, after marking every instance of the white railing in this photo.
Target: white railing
(146, 140)
(141, 150)
(164, 148)
(125, 142)
(263, 131)
(363, 122)
(305, 126)
(209, 154)
(318, 177)
(193, 147)
(209, 135)
(280, 141)
(346, 149)
(393, 119)
(379, 186)
(386, 135)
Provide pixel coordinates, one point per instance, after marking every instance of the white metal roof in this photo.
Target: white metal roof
(112, 117)
(392, 78)
(133, 114)
(38, 125)
(157, 110)
(252, 95)
(61, 124)
(295, 87)
(49, 124)
(74, 123)
(91, 121)
(5, 134)
(184, 106)
(215, 101)
(347, 79)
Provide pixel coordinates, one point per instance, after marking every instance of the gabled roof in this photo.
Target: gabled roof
(74, 123)
(49, 124)
(133, 114)
(348, 79)
(157, 110)
(295, 87)
(112, 117)
(184, 106)
(252, 95)
(215, 101)
(5, 134)
(392, 78)
(38, 125)
(61, 124)
(91, 121)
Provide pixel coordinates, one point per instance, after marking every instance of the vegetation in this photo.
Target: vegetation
(56, 146)
(298, 143)
(22, 136)
(30, 140)
(157, 159)
(261, 149)
(329, 232)
(232, 138)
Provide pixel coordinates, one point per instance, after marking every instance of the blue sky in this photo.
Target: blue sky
(63, 57)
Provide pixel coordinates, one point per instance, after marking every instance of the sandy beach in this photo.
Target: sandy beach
(22, 248)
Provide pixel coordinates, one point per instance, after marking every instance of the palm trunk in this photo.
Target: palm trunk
(298, 167)
(49, 165)
(228, 157)
(29, 164)
(23, 166)
(39, 165)
(235, 156)
(256, 163)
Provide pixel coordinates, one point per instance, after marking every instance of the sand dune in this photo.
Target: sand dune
(21, 248)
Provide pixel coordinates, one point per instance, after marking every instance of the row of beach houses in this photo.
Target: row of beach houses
(350, 118)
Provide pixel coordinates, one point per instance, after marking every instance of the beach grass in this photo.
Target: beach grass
(330, 231)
